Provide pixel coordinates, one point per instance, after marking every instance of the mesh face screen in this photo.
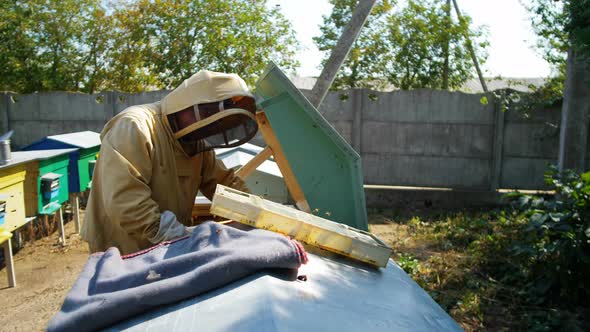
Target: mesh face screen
(228, 131)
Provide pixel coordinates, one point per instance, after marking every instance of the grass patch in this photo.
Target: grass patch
(464, 260)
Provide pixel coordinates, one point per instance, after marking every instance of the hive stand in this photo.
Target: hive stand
(9, 261)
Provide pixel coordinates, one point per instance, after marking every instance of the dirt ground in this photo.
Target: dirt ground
(45, 272)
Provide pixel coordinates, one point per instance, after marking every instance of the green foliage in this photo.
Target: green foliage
(135, 45)
(18, 49)
(525, 267)
(182, 37)
(578, 25)
(549, 19)
(361, 65)
(408, 263)
(559, 25)
(549, 23)
(129, 69)
(97, 52)
(49, 45)
(406, 48)
(553, 249)
(419, 37)
(546, 95)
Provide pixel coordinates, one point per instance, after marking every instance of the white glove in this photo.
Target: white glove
(170, 228)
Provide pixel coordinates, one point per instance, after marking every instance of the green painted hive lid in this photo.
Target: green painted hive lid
(327, 168)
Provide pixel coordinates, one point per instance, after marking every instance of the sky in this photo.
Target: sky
(510, 34)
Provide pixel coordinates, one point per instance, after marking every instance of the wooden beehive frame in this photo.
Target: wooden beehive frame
(305, 227)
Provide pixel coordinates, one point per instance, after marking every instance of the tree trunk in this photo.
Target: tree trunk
(471, 50)
(574, 115)
(446, 49)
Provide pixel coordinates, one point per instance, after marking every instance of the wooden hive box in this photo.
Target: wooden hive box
(308, 228)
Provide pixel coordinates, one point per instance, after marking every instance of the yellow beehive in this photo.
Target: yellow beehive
(312, 230)
(12, 184)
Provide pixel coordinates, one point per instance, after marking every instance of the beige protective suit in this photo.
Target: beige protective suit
(143, 171)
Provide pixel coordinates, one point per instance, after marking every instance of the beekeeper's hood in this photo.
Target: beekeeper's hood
(210, 110)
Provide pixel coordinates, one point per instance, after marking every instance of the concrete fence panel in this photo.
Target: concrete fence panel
(531, 143)
(422, 138)
(426, 138)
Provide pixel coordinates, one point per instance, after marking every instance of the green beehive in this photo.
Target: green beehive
(46, 181)
(327, 168)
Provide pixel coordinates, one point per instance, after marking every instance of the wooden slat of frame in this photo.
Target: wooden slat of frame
(281, 160)
(251, 166)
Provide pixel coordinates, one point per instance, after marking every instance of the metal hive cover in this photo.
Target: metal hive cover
(20, 157)
(339, 295)
(325, 165)
(82, 139)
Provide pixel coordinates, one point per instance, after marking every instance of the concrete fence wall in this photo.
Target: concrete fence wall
(432, 138)
(423, 138)
(34, 116)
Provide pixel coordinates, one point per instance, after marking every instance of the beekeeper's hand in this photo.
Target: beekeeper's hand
(170, 228)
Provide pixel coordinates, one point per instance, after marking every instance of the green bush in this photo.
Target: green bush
(551, 251)
(409, 264)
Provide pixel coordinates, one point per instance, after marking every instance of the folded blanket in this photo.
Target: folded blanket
(112, 287)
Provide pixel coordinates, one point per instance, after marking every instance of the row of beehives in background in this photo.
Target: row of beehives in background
(38, 180)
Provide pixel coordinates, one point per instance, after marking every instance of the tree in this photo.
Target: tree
(558, 25)
(578, 25)
(18, 67)
(178, 38)
(51, 45)
(67, 39)
(405, 48)
(361, 65)
(418, 39)
(136, 45)
(97, 52)
(576, 101)
(128, 67)
(548, 22)
(565, 27)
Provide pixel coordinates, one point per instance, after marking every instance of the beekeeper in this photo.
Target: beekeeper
(154, 158)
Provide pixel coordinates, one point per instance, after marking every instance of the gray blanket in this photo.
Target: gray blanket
(112, 287)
